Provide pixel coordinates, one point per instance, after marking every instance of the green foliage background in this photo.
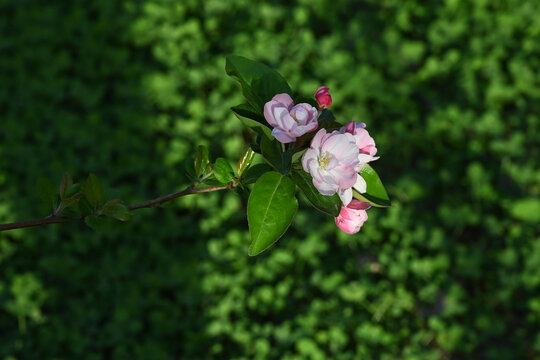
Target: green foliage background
(127, 89)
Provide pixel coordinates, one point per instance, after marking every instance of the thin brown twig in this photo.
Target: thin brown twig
(145, 204)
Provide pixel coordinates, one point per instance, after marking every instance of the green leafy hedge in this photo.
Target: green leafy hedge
(127, 90)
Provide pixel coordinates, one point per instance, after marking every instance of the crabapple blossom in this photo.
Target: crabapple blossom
(289, 121)
(352, 217)
(332, 159)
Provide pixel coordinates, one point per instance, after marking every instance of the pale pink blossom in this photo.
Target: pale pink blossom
(365, 143)
(353, 216)
(323, 97)
(332, 160)
(289, 121)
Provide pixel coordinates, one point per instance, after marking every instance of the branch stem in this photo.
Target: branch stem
(53, 219)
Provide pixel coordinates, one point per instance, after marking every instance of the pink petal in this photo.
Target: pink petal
(282, 136)
(316, 141)
(285, 99)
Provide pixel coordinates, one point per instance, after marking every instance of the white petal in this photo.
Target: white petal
(360, 184)
(345, 196)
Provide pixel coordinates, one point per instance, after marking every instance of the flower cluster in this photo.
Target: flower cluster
(334, 159)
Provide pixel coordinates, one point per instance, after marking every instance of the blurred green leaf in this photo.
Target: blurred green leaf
(527, 209)
(330, 205)
(92, 190)
(271, 209)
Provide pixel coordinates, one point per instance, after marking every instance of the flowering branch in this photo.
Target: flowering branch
(53, 219)
(301, 145)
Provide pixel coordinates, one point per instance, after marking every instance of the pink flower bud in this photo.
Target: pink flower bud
(289, 121)
(323, 97)
(352, 217)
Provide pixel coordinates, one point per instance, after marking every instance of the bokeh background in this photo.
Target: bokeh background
(450, 90)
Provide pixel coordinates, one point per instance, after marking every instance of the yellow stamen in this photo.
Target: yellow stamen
(324, 160)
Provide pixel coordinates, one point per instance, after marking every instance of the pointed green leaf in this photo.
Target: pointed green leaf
(72, 200)
(67, 181)
(259, 82)
(72, 190)
(330, 205)
(376, 194)
(117, 211)
(46, 191)
(271, 209)
(223, 170)
(245, 161)
(271, 150)
(201, 160)
(92, 190)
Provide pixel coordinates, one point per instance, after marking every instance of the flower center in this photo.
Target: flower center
(324, 160)
(293, 115)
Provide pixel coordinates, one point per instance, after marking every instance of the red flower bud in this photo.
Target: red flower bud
(323, 97)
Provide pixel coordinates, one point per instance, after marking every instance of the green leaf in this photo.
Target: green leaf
(117, 211)
(245, 161)
(98, 223)
(259, 82)
(223, 171)
(376, 193)
(271, 209)
(72, 190)
(72, 200)
(190, 168)
(84, 207)
(254, 172)
(252, 120)
(272, 153)
(46, 191)
(67, 181)
(92, 190)
(201, 160)
(330, 205)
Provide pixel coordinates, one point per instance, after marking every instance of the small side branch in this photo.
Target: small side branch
(145, 204)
